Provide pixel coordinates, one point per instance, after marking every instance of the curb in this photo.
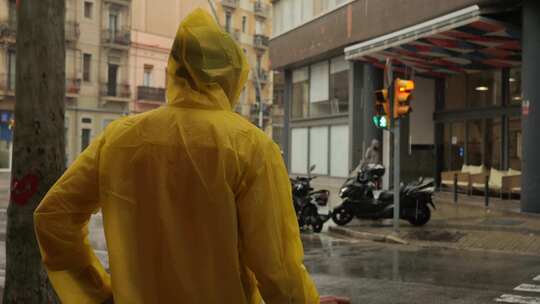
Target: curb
(376, 237)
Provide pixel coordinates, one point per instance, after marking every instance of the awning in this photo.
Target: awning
(459, 42)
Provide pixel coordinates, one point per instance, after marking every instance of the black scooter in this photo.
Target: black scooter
(306, 202)
(359, 199)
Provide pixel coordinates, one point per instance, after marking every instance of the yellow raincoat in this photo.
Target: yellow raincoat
(196, 201)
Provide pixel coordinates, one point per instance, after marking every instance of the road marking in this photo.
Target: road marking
(528, 287)
(537, 278)
(507, 298)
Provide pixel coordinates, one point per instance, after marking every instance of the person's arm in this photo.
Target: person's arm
(269, 233)
(61, 225)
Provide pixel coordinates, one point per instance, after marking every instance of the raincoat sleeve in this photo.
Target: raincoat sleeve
(269, 233)
(61, 224)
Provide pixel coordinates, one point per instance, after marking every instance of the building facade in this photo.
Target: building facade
(116, 58)
(474, 63)
(97, 80)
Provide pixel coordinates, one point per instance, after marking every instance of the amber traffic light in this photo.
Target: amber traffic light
(402, 97)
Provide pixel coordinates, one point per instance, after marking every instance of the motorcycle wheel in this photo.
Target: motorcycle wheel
(317, 226)
(342, 215)
(423, 214)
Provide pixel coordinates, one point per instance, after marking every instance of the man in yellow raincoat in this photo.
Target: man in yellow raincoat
(196, 201)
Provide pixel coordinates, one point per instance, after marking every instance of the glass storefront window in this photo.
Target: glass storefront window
(484, 88)
(318, 149)
(515, 143)
(454, 145)
(339, 151)
(474, 142)
(319, 103)
(455, 92)
(300, 93)
(339, 85)
(514, 82)
(493, 143)
(299, 150)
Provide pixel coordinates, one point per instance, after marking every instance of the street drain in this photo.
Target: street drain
(435, 236)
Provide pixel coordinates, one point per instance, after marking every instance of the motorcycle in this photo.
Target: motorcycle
(360, 200)
(306, 202)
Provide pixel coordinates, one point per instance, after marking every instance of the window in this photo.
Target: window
(86, 120)
(12, 73)
(475, 133)
(515, 86)
(493, 148)
(455, 92)
(454, 145)
(339, 85)
(276, 134)
(318, 90)
(299, 150)
(113, 23)
(228, 21)
(484, 88)
(300, 93)
(147, 76)
(515, 142)
(87, 60)
(339, 151)
(88, 9)
(85, 138)
(259, 28)
(318, 149)
(244, 24)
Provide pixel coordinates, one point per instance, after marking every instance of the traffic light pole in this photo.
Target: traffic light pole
(397, 177)
(396, 134)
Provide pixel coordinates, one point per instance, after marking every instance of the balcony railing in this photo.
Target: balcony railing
(72, 31)
(260, 41)
(117, 37)
(150, 94)
(7, 84)
(235, 34)
(73, 86)
(260, 9)
(233, 4)
(114, 90)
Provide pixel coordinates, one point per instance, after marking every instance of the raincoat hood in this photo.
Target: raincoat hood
(206, 68)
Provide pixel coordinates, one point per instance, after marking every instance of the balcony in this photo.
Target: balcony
(72, 31)
(261, 10)
(117, 38)
(231, 4)
(150, 95)
(115, 92)
(7, 85)
(260, 42)
(8, 31)
(73, 87)
(263, 77)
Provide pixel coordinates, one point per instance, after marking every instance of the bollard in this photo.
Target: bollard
(455, 188)
(486, 192)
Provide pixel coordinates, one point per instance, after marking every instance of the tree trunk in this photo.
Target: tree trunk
(38, 147)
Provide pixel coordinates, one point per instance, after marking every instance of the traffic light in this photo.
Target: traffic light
(382, 109)
(402, 97)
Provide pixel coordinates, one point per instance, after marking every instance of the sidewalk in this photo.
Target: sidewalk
(465, 225)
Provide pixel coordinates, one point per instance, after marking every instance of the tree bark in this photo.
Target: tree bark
(38, 147)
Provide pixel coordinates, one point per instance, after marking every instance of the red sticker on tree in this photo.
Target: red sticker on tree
(22, 190)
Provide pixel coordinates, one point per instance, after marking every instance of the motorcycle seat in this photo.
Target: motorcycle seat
(386, 195)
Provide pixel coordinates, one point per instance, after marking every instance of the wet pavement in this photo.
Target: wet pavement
(370, 272)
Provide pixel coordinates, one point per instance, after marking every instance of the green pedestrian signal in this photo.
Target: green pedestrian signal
(380, 122)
